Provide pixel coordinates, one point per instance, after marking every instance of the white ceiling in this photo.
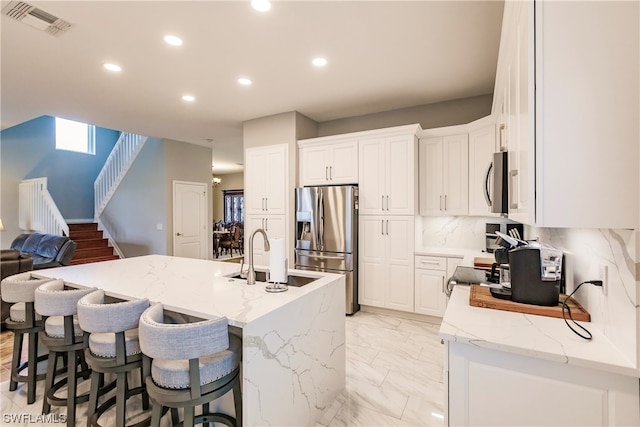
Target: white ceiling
(383, 55)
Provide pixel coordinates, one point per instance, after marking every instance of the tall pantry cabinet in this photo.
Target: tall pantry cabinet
(388, 191)
(266, 180)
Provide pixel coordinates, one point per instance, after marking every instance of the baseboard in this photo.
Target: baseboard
(402, 314)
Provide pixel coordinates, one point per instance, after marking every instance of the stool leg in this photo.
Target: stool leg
(145, 395)
(205, 410)
(121, 398)
(49, 379)
(156, 413)
(188, 416)
(71, 388)
(96, 380)
(237, 401)
(15, 361)
(32, 367)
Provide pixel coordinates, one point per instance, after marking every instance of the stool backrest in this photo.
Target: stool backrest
(180, 341)
(52, 299)
(21, 287)
(97, 317)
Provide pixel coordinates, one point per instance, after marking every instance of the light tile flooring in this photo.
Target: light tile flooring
(394, 377)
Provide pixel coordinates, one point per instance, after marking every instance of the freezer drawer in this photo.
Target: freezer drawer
(351, 287)
(324, 260)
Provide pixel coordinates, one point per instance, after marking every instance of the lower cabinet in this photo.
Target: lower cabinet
(431, 275)
(496, 388)
(273, 225)
(386, 261)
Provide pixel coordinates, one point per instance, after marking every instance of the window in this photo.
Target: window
(233, 206)
(75, 136)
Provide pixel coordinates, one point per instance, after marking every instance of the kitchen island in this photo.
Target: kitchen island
(293, 361)
(508, 368)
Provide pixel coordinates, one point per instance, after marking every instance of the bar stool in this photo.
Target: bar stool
(23, 320)
(113, 349)
(63, 336)
(192, 364)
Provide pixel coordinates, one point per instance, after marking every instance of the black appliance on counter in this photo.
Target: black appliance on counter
(536, 274)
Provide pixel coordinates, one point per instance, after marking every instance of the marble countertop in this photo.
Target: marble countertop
(190, 286)
(530, 335)
(466, 254)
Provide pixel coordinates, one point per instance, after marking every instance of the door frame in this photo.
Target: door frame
(205, 241)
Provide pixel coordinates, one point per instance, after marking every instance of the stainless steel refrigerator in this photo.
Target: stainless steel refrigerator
(327, 234)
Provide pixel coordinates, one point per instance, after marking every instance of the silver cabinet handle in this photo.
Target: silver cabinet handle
(382, 202)
(445, 202)
(266, 224)
(382, 226)
(500, 134)
(441, 202)
(513, 189)
(266, 203)
(331, 173)
(387, 202)
(387, 227)
(263, 203)
(262, 222)
(326, 173)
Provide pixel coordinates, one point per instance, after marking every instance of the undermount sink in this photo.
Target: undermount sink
(297, 281)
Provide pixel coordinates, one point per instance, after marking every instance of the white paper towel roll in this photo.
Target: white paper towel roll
(277, 261)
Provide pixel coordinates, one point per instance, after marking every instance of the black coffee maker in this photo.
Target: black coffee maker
(536, 274)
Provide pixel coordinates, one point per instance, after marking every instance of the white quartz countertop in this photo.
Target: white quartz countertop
(530, 335)
(190, 286)
(466, 254)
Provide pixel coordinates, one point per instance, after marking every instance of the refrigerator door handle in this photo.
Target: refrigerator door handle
(326, 257)
(321, 219)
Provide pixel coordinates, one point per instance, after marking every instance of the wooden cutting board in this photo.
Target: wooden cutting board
(480, 296)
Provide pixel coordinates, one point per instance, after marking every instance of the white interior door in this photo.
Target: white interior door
(190, 219)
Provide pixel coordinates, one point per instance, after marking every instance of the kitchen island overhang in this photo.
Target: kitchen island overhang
(293, 362)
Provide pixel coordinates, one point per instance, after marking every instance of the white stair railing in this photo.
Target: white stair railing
(115, 168)
(37, 210)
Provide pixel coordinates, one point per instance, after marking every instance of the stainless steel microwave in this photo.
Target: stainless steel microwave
(500, 201)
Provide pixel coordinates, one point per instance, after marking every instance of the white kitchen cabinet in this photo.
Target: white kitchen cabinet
(387, 178)
(573, 151)
(324, 163)
(273, 225)
(386, 261)
(482, 146)
(431, 275)
(266, 180)
(444, 175)
(491, 387)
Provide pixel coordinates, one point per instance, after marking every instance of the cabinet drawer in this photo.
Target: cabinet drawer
(431, 262)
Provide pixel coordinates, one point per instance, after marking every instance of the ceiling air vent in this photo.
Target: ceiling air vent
(36, 18)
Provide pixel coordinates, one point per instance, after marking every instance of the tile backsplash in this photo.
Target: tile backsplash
(616, 314)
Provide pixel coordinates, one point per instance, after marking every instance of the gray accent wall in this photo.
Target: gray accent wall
(28, 151)
(143, 202)
(448, 113)
(231, 181)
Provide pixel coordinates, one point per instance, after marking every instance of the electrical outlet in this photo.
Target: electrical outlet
(602, 275)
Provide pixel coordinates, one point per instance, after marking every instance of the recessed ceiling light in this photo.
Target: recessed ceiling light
(244, 81)
(188, 98)
(173, 40)
(319, 62)
(261, 5)
(112, 67)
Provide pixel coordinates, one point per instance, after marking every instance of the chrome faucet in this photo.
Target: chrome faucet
(251, 273)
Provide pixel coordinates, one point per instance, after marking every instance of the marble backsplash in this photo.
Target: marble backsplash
(617, 314)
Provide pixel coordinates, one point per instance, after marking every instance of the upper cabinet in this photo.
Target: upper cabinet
(328, 163)
(444, 182)
(266, 180)
(388, 175)
(573, 141)
(482, 145)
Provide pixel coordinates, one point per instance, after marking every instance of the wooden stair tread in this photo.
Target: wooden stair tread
(92, 246)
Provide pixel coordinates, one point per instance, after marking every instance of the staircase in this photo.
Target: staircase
(92, 246)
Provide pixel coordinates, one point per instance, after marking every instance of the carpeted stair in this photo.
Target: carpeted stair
(92, 246)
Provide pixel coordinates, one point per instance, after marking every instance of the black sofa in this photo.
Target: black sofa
(12, 262)
(47, 250)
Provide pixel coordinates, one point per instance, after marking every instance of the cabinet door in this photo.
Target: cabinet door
(430, 297)
(275, 177)
(430, 173)
(400, 183)
(314, 166)
(456, 174)
(399, 244)
(371, 153)
(372, 268)
(343, 168)
(482, 145)
(254, 172)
